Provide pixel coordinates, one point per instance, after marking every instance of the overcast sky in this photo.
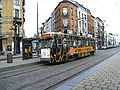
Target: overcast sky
(108, 10)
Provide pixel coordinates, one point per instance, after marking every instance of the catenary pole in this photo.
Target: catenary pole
(37, 33)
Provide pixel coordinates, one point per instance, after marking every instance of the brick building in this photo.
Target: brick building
(11, 19)
(64, 17)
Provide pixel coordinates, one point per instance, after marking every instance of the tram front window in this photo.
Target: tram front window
(46, 43)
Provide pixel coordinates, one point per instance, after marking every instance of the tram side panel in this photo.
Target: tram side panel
(64, 48)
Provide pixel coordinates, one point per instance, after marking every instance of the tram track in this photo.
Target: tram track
(58, 74)
(37, 68)
(27, 70)
(47, 81)
(82, 70)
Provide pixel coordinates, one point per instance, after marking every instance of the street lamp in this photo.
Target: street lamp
(15, 38)
(16, 23)
(37, 33)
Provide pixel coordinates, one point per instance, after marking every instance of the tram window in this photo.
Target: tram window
(89, 43)
(46, 43)
(54, 44)
(92, 42)
(74, 43)
(83, 43)
(69, 42)
(64, 42)
(86, 42)
(59, 42)
(79, 43)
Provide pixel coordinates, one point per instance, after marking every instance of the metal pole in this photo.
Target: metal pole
(37, 33)
(15, 40)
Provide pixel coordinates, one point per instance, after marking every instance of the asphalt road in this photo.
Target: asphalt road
(41, 77)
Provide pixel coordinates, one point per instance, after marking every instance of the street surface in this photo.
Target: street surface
(40, 77)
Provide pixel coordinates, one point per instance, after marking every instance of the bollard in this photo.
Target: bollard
(9, 58)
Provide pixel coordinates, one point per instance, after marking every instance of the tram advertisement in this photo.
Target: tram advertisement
(27, 49)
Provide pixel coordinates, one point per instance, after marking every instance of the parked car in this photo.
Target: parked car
(104, 47)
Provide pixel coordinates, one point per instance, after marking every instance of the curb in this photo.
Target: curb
(17, 66)
(12, 58)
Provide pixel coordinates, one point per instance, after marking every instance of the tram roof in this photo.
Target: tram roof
(61, 35)
(30, 39)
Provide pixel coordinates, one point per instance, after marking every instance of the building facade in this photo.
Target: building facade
(47, 26)
(117, 39)
(11, 23)
(64, 18)
(99, 32)
(70, 17)
(82, 21)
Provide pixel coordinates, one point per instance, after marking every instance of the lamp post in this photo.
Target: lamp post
(15, 37)
(16, 23)
(37, 33)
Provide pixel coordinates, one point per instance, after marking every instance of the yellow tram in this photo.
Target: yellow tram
(56, 48)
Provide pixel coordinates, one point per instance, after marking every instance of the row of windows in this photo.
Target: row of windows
(65, 11)
(16, 13)
(17, 2)
(83, 16)
(75, 43)
(82, 25)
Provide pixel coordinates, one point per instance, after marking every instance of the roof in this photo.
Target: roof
(65, 1)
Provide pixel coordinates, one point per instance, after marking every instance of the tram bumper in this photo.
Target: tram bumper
(45, 59)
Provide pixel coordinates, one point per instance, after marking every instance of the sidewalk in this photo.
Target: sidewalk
(104, 76)
(17, 63)
(4, 57)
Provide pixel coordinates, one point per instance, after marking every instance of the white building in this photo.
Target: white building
(117, 39)
(82, 21)
(47, 26)
(99, 33)
(110, 40)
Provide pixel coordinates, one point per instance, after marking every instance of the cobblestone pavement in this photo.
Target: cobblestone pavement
(41, 77)
(106, 78)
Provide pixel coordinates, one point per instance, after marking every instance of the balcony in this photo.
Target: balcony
(17, 20)
(65, 15)
(23, 9)
(66, 26)
(23, 2)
